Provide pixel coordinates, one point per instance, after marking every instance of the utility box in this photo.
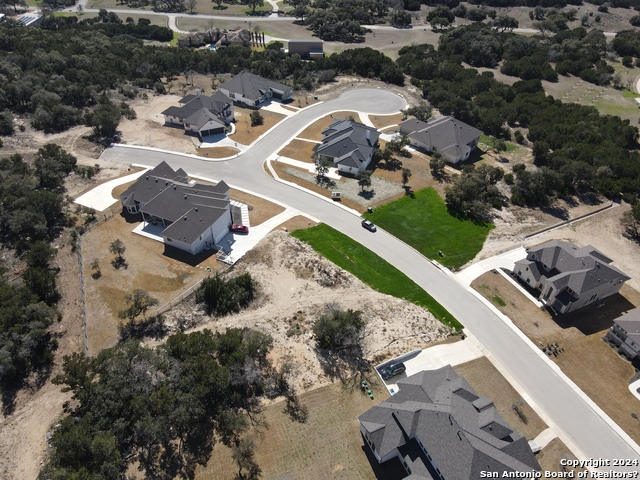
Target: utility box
(335, 196)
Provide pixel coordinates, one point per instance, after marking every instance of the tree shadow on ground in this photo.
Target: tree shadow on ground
(119, 262)
(408, 191)
(344, 364)
(557, 212)
(367, 194)
(152, 327)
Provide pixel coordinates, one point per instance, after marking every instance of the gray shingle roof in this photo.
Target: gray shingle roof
(630, 322)
(253, 86)
(437, 408)
(347, 143)
(165, 194)
(447, 134)
(199, 109)
(581, 269)
(152, 183)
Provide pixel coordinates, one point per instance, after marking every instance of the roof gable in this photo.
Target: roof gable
(461, 431)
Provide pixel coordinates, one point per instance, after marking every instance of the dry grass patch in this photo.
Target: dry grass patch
(591, 363)
(314, 131)
(328, 445)
(381, 121)
(603, 375)
(486, 380)
(296, 223)
(299, 150)
(261, 210)
(245, 133)
(130, 171)
(549, 457)
(217, 152)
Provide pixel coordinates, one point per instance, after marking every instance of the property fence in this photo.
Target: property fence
(99, 220)
(82, 304)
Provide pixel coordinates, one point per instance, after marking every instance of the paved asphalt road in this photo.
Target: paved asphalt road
(593, 436)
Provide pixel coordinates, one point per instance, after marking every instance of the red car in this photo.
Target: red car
(239, 228)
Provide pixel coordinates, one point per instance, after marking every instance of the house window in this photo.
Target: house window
(519, 272)
(232, 95)
(593, 297)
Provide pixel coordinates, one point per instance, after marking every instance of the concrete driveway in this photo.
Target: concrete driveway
(433, 358)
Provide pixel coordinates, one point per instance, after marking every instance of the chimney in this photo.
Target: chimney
(368, 134)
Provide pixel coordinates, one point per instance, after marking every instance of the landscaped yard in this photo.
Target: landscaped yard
(371, 269)
(423, 222)
(586, 359)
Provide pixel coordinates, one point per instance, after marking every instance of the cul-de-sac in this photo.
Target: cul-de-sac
(319, 239)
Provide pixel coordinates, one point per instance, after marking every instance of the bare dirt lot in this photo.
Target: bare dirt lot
(590, 362)
(295, 285)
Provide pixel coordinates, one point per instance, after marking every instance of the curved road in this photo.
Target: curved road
(173, 17)
(591, 435)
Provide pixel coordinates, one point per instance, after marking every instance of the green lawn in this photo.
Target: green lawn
(487, 140)
(424, 223)
(371, 269)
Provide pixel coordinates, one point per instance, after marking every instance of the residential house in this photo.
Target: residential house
(252, 90)
(569, 277)
(30, 19)
(201, 114)
(439, 428)
(193, 216)
(454, 139)
(306, 48)
(349, 145)
(625, 333)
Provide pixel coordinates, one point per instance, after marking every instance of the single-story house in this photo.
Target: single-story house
(193, 216)
(625, 333)
(306, 48)
(454, 139)
(349, 145)
(569, 277)
(439, 428)
(201, 114)
(252, 90)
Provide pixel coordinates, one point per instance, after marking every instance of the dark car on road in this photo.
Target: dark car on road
(392, 370)
(369, 226)
(239, 228)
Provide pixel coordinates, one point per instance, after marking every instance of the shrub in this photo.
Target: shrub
(222, 297)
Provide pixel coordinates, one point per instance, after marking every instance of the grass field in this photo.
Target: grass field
(424, 223)
(371, 269)
(488, 141)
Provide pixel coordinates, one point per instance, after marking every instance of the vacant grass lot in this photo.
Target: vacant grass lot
(424, 223)
(371, 269)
